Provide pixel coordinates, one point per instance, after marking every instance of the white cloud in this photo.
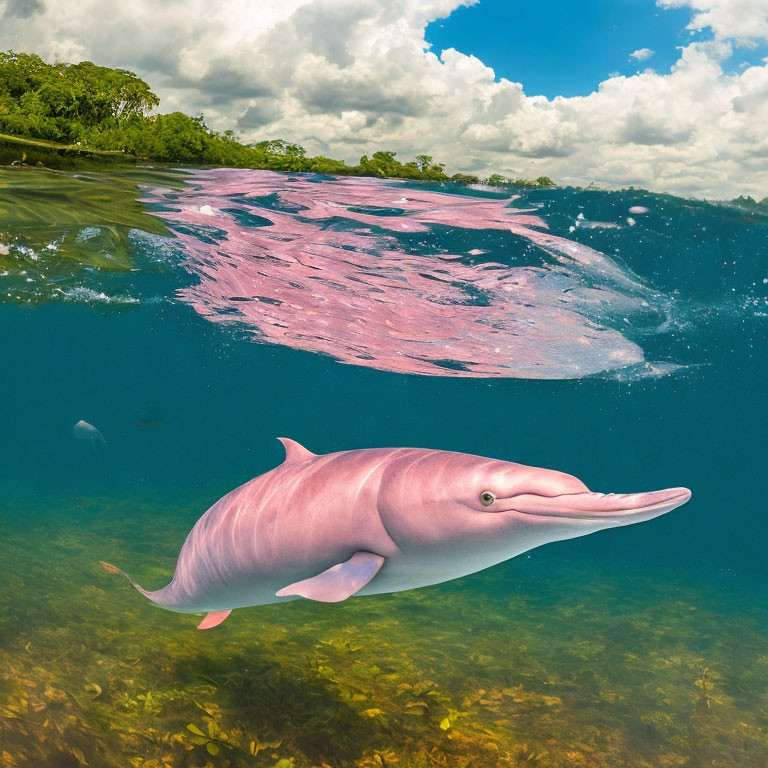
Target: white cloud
(346, 77)
(641, 54)
(744, 21)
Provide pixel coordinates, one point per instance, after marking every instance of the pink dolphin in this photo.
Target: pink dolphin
(380, 520)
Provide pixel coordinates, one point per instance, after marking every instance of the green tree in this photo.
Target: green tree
(435, 172)
(382, 164)
(62, 101)
(329, 166)
(464, 178)
(411, 170)
(423, 161)
(496, 180)
(280, 147)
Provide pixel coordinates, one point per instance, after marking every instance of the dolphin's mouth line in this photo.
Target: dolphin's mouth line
(598, 507)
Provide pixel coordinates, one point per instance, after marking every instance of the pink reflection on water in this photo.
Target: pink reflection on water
(322, 270)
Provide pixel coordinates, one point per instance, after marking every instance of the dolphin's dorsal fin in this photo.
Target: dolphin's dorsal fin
(295, 451)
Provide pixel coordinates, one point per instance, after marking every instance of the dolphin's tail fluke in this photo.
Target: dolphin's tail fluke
(114, 569)
(160, 598)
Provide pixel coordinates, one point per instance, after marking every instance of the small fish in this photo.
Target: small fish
(586, 224)
(638, 210)
(85, 431)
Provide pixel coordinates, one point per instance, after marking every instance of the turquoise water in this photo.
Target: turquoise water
(643, 646)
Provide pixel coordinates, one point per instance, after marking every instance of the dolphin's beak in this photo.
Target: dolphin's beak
(610, 508)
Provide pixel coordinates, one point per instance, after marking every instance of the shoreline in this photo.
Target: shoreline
(20, 150)
(16, 150)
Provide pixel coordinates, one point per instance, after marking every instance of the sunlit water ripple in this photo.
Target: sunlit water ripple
(345, 267)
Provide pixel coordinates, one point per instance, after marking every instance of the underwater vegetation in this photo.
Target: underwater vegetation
(55, 227)
(528, 665)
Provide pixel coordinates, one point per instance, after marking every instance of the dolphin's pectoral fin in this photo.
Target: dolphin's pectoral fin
(339, 582)
(295, 451)
(213, 619)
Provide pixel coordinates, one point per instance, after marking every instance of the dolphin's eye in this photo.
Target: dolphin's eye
(487, 498)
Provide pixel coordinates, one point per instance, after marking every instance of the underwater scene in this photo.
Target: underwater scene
(164, 326)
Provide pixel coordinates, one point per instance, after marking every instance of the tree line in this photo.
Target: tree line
(101, 108)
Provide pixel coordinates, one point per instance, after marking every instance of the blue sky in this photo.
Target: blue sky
(563, 47)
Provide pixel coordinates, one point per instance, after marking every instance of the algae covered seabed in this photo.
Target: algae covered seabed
(536, 663)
